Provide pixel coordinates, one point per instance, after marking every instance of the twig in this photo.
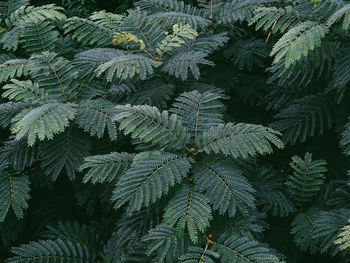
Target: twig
(273, 26)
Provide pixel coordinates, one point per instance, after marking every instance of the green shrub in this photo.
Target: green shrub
(198, 131)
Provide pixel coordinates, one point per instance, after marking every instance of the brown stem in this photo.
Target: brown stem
(273, 26)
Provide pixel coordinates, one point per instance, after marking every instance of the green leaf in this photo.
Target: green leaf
(188, 209)
(307, 178)
(238, 140)
(95, 116)
(8, 7)
(38, 37)
(180, 63)
(18, 154)
(52, 251)
(26, 91)
(9, 110)
(107, 167)
(14, 68)
(89, 32)
(224, 186)
(168, 13)
(343, 240)
(163, 241)
(73, 231)
(199, 111)
(66, 151)
(37, 14)
(345, 139)
(304, 118)
(176, 38)
(328, 226)
(43, 122)
(14, 189)
(198, 254)
(55, 74)
(298, 41)
(303, 229)
(344, 11)
(149, 125)
(148, 179)
(236, 249)
(127, 67)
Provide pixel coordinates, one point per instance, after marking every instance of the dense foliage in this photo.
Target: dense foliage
(197, 131)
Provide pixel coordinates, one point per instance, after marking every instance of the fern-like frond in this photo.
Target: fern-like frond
(38, 37)
(236, 249)
(118, 91)
(326, 8)
(199, 111)
(328, 226)
(170, 12)
(303, 229)
(154, 93)
(298, 42)
(176, 39)
(96, 116)
(343, 240)
(43, 122)
(10, 109)
(72, 231)
(307, 178)
(6, 57)
(106, 19)
(88, 61)
(14, 189)
(198, 254)
(89, 32)
(188, 209)
(66, 151)
(37, 14)
(345, 140)
(342, 12)
(309, 69)
(140, 24)
(132, 227)
(150, 125)
(275, 19)
(87, 90)
(18, 154)
(224, 186)
(231, 11)
(127, 66)
(9, 39)
(239, 140)
(26, 15)
(107, 167)
(162, 240)
(14, 68)
(181, 63)
(26, 91)
(65, 45)
(148, 179)
(207, 43)
(6, 8)
(304, 118)
(56, 75)
(52, 251)
(341, 73)
(247, 53)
